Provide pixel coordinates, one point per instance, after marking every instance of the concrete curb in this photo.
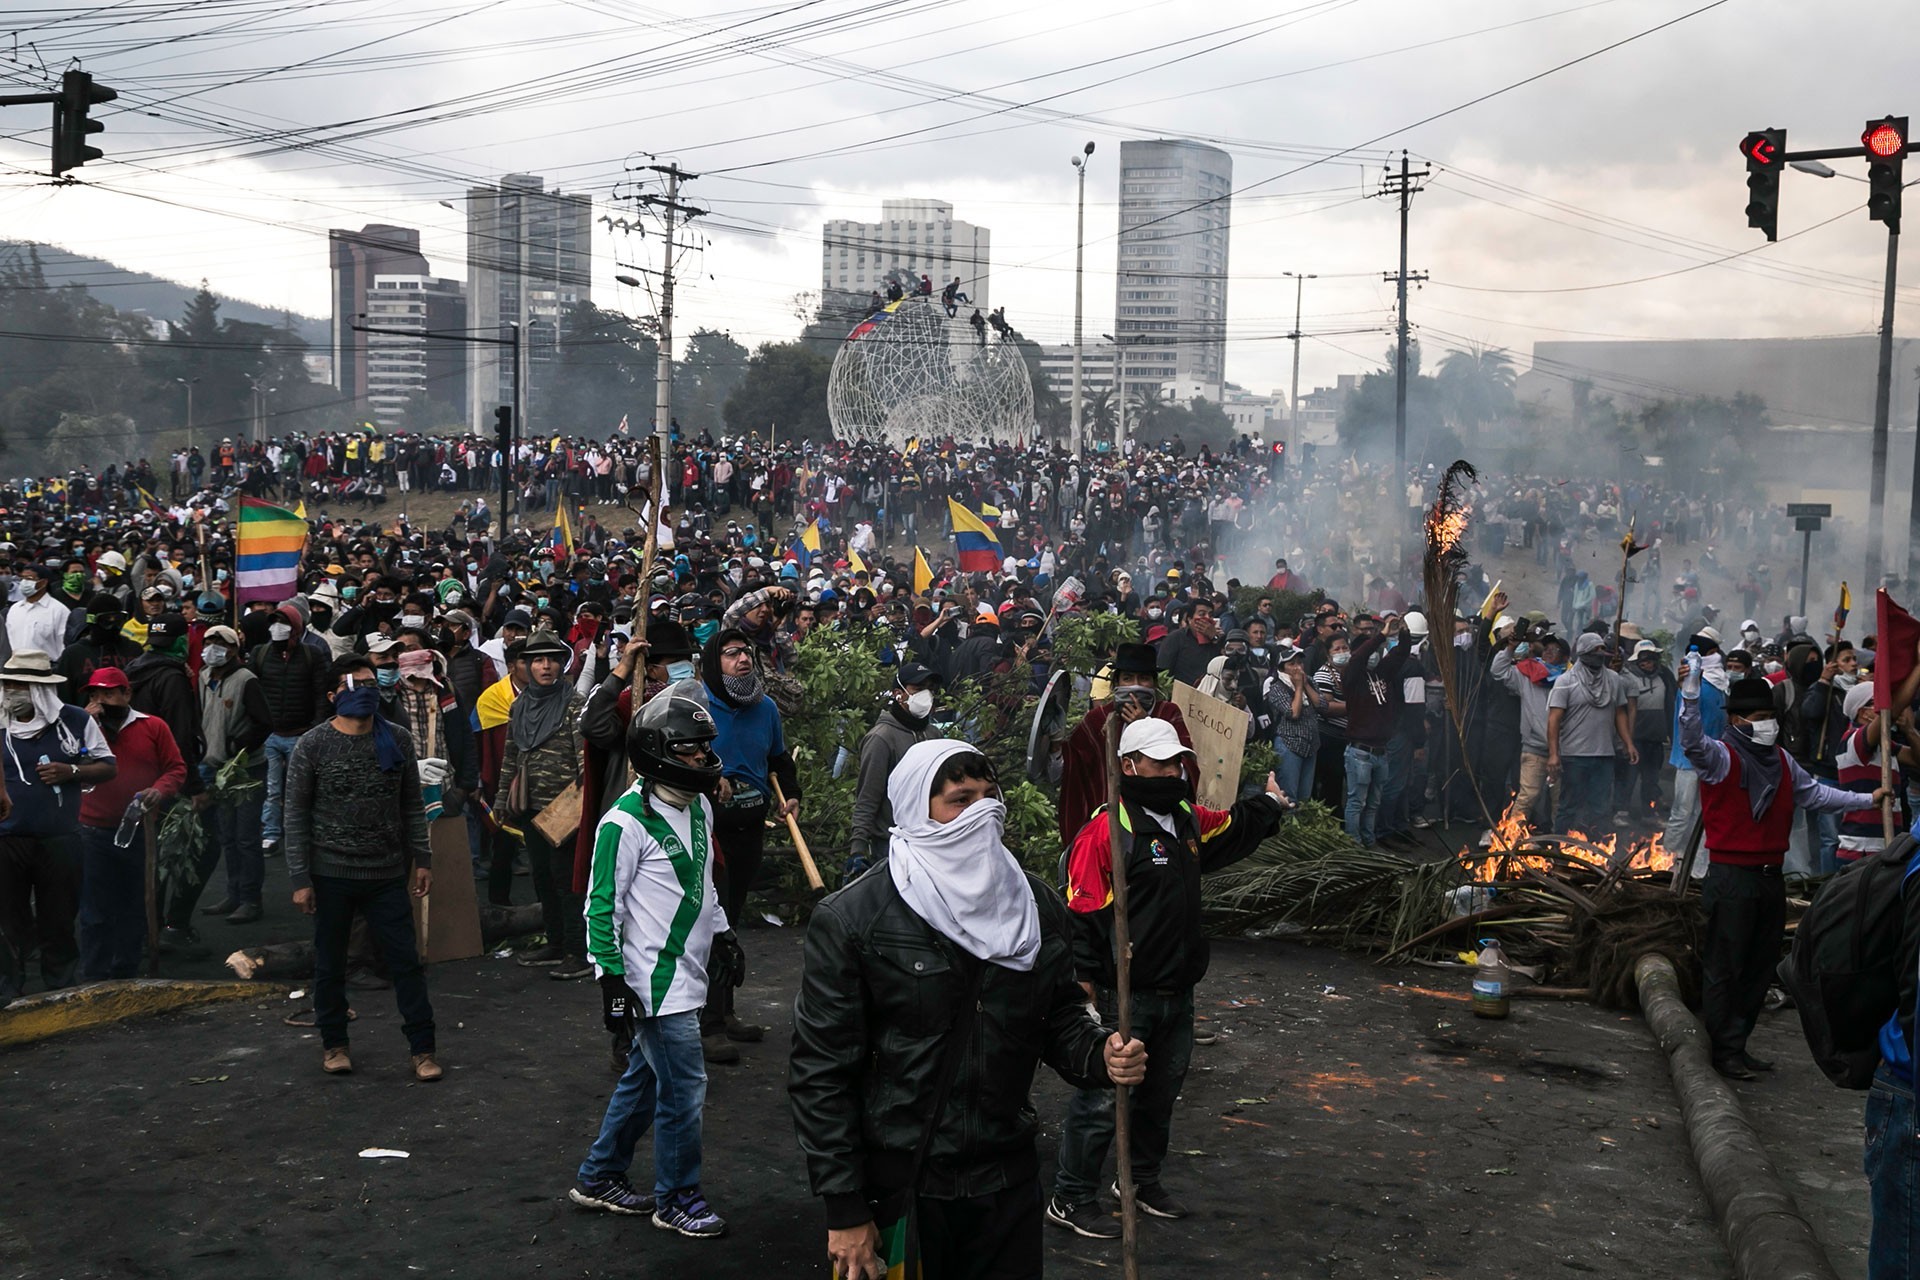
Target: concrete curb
(97, 1004)
(1763, 1227)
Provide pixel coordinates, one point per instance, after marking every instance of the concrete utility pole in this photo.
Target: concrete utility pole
(670, 210)
(1402, 185)
(1293, 396)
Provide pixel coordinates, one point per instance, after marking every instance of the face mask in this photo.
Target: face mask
(678, 671)
(387, 676)
(219, 575)
(920, 704)
(1774, 668)
(348, 593)
(114, 717)
(280, 632)
(72, 582)
(1464, 640)
(1846, 679)
(1556, 669)
(454, 598)
(1521, 650)
(215, 655)
(1593, 661)
(472, 567)
(31, 588)
(19, 704)
(1763, 732)
(1155, 613)
(186, 579)
(356, 702)
(322, 617)
(414, 620)
(703, 631)
(1162, 795)
(1340, 659)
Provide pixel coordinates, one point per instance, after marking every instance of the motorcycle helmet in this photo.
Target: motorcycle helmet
(675, 718)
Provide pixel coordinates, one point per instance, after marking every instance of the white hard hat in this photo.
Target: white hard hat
(1416, 623)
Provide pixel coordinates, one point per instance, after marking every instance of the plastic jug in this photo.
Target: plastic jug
(1492, 982)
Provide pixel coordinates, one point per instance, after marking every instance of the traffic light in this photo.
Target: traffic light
(1763, 149)
(72, 125)
(1885, 142)
(503, 429)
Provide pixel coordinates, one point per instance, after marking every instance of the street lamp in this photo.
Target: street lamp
(1079, 270)
(1120, 381)
(188, 384)
(1817, 168)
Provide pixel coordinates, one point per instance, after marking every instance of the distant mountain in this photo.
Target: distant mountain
(128, 290)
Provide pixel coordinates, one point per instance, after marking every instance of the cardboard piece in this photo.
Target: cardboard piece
(446, 922)
(1219, 733)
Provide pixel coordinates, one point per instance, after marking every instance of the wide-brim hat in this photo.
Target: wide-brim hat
(30, 666)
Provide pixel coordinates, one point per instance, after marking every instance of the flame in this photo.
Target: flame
(1648, 853)
(1446, 529)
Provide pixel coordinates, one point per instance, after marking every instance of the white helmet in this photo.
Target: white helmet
(1416, 623)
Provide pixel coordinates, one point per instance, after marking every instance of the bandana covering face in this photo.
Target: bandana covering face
(958, 876)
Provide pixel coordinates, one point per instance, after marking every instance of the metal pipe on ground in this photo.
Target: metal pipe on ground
(1763, 1227)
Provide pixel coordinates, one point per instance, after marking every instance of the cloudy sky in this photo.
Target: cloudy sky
(1601, 199)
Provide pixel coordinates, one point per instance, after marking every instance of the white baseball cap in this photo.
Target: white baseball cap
(1155, 739)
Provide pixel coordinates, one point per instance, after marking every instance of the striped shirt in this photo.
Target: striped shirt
(651, 910)
(1859, 770)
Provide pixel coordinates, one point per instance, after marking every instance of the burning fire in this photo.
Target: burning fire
(1446, 530)
(1646, 853)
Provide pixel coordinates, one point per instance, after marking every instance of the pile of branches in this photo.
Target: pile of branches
(1582, 921)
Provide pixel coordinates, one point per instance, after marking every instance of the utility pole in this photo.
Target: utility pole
(672, 214)
(1401, 185)
(1293, 396)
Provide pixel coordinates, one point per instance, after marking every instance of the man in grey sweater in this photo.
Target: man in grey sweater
(356, 837)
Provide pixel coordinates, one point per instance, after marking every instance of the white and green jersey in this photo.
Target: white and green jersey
(651, 909)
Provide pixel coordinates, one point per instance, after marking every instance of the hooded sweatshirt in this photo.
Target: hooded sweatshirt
(293, 678)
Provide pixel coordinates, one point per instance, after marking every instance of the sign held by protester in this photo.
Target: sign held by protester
(1219, 733)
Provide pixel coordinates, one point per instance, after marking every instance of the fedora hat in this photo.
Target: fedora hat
(30, 666)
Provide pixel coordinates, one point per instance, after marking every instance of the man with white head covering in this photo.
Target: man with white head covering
(1586, 712)
(934, 986)
(1168, 842)
(51, 752)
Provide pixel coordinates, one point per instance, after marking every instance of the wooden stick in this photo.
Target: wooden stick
(1123, 997)
(799, 841)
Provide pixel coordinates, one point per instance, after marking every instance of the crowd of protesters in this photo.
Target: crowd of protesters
(489, 665)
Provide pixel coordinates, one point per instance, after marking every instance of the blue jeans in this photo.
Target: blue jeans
(234, 832)
(1162, 1022)
(1586, 794)
(1823, 840)
(1366, 787)
(279, 751)
(665, 1088)
(113, 906)
(1892, 1156)
(1293, 773)
(1396, 812)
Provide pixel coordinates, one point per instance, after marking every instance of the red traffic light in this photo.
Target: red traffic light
(1884, 139)
(1761, 147)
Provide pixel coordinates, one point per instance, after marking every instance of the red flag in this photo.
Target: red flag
(1893, 656)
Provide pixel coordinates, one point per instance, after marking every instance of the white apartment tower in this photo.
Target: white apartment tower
(912, 238)
(1170, 308)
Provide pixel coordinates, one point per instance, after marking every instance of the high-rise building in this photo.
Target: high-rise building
(357, 257)
(401, 370)
(1096, 369)
(528, 261)
(1170, 304)
(913, 238)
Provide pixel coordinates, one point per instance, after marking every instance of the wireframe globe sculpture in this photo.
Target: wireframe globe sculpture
(909, 373)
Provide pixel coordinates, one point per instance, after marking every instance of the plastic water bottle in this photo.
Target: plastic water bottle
(49, 760)
(129, 823)
(1491, 982)
(1690, 687)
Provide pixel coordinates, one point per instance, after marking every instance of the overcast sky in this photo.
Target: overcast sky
(1549, 205)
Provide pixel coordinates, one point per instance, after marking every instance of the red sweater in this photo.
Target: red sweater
(147, 757)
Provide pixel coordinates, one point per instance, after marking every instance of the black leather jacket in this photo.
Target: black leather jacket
(877, 1000)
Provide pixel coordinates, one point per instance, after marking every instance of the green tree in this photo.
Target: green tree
(1366, 420)
(703, 379)
(603, 370)
(785, 386)
(1476, 386)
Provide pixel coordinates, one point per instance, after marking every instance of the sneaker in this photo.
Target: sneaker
(226, 906)
(612, 1194)
(1083, 1219)
(570, 968)
(245, 913)
(716, 1048)
(540, 957)
(335, 1061)
(687, 1212)
(1155, 1200)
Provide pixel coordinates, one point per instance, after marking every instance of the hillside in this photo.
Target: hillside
(128, 290)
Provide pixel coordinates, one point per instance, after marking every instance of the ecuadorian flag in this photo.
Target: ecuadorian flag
(802, 551)
(973, 538)
(267, 558)
(562, 531)
(922, 573)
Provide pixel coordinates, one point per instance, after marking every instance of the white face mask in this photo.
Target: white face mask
(1764, 732)
(215, 655)
(920, 704)
(1774, 668)
(280, 631)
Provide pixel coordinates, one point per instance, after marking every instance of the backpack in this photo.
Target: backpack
(1844, 971)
